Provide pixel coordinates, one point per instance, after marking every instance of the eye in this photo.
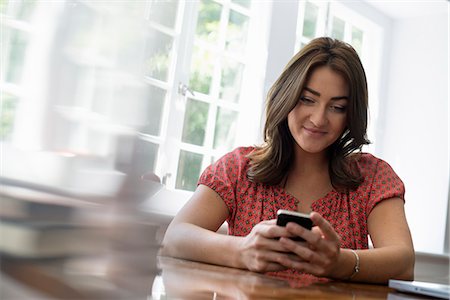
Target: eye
(307, 100)
(339, 108)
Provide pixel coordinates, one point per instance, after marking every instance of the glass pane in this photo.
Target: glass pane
(145, 157)
(338, 28)
(15, 54)
(81, 31)
(4, 7)
(134, 9)
(357, 39)
(309, 24)
(225, 130)
(155, 111)
(21, 10)
(230, 85)
(208, 21)
(7, 113)
(135, 156)
(158, 49)
(201, 70)
(237, 32)
(189, 167)
(164, 12)
(245, 3)
(195, 120)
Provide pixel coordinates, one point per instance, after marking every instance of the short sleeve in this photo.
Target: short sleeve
(222, 177)
(386, 184)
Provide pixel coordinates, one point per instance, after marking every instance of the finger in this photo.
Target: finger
(270, 222)
(274, 267)
(264, 261)
(306, 261)
(271, 230)
(315, 242)
(327, 230)
(271, 244)
(296, 230)
(316, 239)
(301, 250)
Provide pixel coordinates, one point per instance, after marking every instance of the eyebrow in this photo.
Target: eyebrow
(318, 94)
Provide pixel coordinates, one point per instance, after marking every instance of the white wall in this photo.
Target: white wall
(414, 136)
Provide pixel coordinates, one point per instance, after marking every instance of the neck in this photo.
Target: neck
(308, 179)
(307, 163)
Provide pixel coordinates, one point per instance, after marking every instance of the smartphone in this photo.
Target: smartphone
(286, 216)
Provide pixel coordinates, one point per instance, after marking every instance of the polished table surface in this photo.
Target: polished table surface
(179, 279)
(192, 280)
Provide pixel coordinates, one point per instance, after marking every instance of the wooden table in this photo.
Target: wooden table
(183, 279)
(180, 279)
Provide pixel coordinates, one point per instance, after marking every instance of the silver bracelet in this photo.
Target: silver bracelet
(356, 269)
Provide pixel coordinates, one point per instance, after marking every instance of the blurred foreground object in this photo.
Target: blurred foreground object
(96, 248)
(74, 156)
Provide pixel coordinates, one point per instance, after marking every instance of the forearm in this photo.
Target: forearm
(188, 241)
(376, 265)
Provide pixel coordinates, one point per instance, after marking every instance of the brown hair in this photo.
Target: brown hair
(270, 162)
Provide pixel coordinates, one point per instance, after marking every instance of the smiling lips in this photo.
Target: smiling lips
(315, 132)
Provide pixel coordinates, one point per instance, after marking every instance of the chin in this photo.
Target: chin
(313, 150)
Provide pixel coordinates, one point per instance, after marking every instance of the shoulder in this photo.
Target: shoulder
(243, 151)
(227, 170)
(236, 161)
(366, 159)
(238, 156)
(374, 168)
(368, 163)
(380, 180)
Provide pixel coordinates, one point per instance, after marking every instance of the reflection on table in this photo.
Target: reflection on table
(181, 279)
(176, 279)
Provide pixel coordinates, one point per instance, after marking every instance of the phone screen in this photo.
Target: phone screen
(285, 216)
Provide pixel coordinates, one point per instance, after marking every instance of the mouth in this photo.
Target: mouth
(313, 131)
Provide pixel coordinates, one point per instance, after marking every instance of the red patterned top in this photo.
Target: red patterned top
(250, 203)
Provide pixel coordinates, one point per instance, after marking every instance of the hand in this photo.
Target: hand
(260, 250)
(319, 254)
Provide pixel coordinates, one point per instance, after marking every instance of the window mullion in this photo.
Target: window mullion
(172, 127)
(215, 86)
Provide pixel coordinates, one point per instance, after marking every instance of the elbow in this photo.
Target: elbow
(175, 242)
(164, 250)
(167, 245)
(407, 270)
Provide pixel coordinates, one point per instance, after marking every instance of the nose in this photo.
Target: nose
(319, 116)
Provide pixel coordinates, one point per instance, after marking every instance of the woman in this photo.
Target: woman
(316, 121)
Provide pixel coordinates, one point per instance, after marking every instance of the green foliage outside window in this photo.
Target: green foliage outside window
(18, 9)
(157, 65)
(195, 122)
(309, 24)
(201, 71)
(357, 39)
(189, 167)
(8, 109)
(208, 20)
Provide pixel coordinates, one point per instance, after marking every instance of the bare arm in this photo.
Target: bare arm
(192, 235)
(392, 256)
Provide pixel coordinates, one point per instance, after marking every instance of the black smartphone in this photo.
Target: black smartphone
(286, 216)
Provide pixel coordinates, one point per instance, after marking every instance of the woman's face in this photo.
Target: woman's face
(320, 116)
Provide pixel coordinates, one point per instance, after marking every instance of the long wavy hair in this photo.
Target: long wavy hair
(270, 162)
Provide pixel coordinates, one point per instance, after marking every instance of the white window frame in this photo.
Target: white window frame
(249, 114)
